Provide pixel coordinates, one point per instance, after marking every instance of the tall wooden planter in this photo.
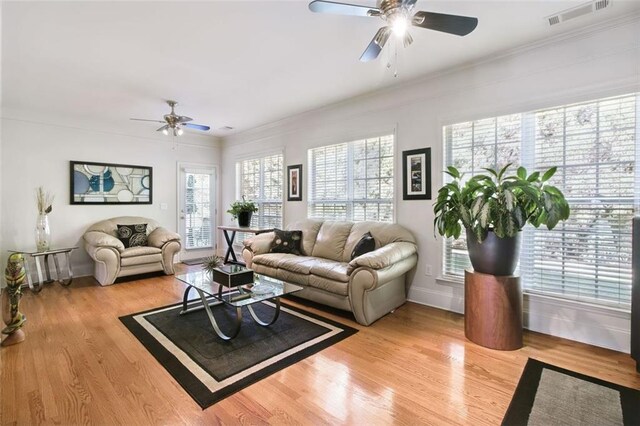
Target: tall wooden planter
(493, 310)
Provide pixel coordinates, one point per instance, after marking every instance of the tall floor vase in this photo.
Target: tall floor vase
(15, 276)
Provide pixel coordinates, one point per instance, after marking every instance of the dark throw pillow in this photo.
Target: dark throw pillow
(133, 235)
(287, 242)
(365, 245)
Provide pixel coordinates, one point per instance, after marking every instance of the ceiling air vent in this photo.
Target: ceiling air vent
(575, 12)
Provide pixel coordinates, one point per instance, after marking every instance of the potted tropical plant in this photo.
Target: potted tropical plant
(493, 208)
(242, 210)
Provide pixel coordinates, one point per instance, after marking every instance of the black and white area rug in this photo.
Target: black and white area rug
(549, 395)
(211, 369)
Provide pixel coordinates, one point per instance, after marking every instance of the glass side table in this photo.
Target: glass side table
(37, 256)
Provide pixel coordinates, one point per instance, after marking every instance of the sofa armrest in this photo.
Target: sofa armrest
(160, 236)
(101, 239)
(383, 257)
(259, 244)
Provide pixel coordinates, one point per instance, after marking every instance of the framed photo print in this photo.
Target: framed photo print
(294, 183)
(104, 183)
(416, 174)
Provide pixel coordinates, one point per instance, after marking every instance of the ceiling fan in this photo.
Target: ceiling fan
(397, 15)
(174, 123)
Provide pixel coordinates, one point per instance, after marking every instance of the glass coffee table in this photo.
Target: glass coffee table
(213, 294)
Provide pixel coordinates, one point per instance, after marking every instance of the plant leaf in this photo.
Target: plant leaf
(548, 174)
(503, 170)
(522, 172)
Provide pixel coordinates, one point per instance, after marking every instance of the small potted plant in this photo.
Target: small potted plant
(243, 210)
(211, 263)
(493, 208)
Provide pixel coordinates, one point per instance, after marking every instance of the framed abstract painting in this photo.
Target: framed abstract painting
(416, 174)
(105, 183)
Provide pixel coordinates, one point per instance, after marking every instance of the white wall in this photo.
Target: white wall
(38, 154)
(596, 62)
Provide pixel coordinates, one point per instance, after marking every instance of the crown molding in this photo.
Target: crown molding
(579, 33)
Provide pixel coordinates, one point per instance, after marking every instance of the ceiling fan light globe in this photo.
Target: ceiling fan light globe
(180, 132)
(399, 26)
(165, 132)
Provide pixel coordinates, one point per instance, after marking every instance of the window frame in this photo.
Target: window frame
(350, 201)
(526, 157)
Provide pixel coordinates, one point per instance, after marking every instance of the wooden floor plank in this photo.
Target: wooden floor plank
(80, 365)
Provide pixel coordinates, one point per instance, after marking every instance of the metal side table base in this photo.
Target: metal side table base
(36, 286)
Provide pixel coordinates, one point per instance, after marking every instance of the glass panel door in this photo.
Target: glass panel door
(197, 208)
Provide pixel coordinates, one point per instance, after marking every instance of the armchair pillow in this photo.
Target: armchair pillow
(286, 242)
(133, 235)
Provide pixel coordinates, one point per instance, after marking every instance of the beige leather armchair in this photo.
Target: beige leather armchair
(113, 260)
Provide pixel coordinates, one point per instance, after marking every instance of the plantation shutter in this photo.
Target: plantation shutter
(588, 257)
(352, 181)
(262, 181)
(471, 146)
(594, 146)
(328, 182)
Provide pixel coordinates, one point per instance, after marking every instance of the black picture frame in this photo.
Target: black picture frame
(294, 182)
(93, 183)
(416, 174)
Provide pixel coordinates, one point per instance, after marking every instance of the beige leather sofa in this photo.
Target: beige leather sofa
(112, 260)
(370, 285)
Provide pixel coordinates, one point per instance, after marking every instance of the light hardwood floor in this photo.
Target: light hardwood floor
(79, 364)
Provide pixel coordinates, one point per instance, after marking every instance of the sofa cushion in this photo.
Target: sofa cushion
(366, 244)
(134, 235)
(330, 269)
(139, 251)
(331, 240)
(309, 228)
(286, 242)
(290, 262)
(141, 260)
(331, 286)
(383, 233)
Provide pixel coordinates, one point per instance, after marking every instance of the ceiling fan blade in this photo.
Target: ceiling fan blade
(183, 119)
(375, 47)
(452, 24)
(165, 127)
(144, 119)
(197, 126)
(322, 6)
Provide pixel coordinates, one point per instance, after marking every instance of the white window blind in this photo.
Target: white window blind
(262, 180)
(594, 146)
(353, 181)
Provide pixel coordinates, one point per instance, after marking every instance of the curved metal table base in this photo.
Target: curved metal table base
(206, 305)
(275, 315)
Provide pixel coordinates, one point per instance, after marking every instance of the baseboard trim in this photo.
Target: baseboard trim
(609, 329)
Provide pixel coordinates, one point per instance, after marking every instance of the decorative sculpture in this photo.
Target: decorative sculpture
(14, 319)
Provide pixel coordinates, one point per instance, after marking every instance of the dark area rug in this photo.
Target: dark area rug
(549, 395)
(211, 369)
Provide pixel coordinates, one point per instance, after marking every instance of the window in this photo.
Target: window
(587, 257)
(261, 180)
(352, 181)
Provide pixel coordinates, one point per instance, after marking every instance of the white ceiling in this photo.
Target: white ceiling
(233, 63)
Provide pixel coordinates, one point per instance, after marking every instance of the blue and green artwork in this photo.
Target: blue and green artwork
(103, 183)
